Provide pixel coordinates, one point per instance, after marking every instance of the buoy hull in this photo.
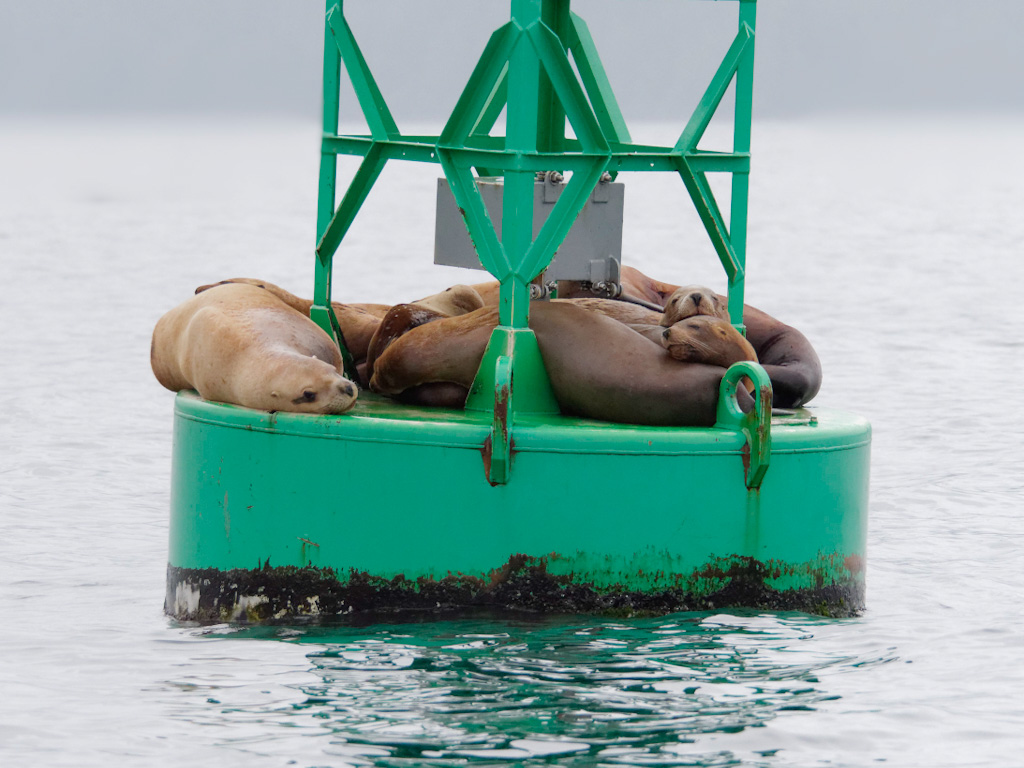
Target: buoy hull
(280, 516)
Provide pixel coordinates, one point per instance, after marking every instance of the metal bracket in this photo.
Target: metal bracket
(756, 425)
(328, 321)
(500, 465)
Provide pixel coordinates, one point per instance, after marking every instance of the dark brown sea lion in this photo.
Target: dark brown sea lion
(242, 344)
(456, 300)
(399, 320)
(598, 367)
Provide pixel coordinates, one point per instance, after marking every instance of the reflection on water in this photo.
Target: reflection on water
(642, 692)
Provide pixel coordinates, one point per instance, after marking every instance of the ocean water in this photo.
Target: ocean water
(896, 245)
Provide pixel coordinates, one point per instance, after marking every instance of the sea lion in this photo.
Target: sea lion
(400, 319)
(456, 300)
(644, 321)
(624, 312)
(490, 292)
(242, 344)
(636, 283)
(693, 300)
(784, 352)
(696, 331)
(706, 339)
(786, 356)
(598, 367)
(358, 321)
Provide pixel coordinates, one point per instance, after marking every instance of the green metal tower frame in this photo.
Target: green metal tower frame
(525, 67)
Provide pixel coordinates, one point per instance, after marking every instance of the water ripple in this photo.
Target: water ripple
(646, 692)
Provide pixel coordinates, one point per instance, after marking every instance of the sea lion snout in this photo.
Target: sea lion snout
(340, 396)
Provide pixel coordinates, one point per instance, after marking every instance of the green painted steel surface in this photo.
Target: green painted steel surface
(526, 68)
(389, 490)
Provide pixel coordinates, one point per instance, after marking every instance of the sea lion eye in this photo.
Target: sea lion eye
(308, 396)
(694, 326)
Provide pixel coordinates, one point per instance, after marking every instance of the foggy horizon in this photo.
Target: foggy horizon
(123, 58)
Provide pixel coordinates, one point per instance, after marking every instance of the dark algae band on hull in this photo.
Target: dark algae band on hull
(282, 593)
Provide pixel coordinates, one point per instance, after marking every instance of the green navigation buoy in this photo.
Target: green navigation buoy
(508, 504)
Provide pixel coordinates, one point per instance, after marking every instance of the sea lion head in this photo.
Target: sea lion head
(399, 320)
(463, 298)
(706, 339)
(457, 300)
(311, 386)
(691, 300)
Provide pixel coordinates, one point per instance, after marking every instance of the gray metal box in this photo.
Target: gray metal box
(592, 250)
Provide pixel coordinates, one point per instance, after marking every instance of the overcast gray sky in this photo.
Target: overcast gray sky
(264, 56)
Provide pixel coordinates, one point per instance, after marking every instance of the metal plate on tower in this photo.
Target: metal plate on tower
(591, 251)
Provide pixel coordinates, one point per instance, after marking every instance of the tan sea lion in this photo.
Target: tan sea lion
(456, 300)
(693, 300)
(709, 340)
(242, 344)
(358, 321)
(636, 283)
(623, 311)
(598, 367)
(644, 321)
(490, 292)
